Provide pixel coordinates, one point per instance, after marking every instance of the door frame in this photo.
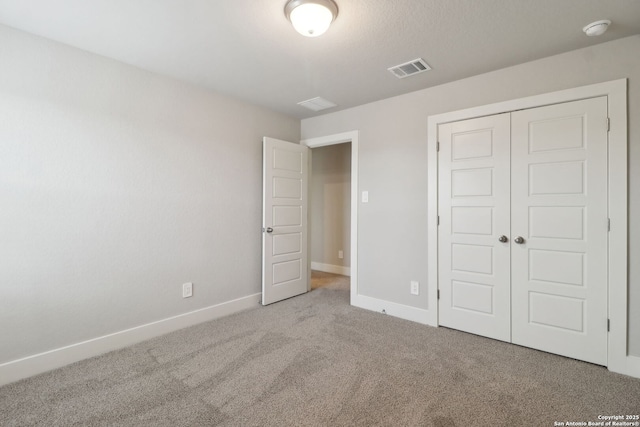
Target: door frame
(616, 93)
(334, 139)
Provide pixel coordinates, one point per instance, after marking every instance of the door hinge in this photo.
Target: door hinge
(438, 293)
(608, 224)
(438, 219)
(608, 124)
(608, 325)
(438, 146)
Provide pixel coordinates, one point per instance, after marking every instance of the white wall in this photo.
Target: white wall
(393, 162)
(330, 205)
(117, 186)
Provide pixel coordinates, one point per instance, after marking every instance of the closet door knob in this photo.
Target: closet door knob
(503, 239)
(519, 240)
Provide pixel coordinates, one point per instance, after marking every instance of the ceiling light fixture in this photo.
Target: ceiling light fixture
(597, 28)
(311, 18)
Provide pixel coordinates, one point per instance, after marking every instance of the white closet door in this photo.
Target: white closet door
(474, 213)
(559, 208)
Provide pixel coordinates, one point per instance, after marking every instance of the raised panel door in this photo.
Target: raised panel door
(284, 237)
(559, 208)
(474, 212)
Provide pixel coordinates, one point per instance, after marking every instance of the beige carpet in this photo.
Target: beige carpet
(314, 360)
(320, 279)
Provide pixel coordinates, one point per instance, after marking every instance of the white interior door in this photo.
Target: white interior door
(285, 271)
(559, 209)
(474, 277)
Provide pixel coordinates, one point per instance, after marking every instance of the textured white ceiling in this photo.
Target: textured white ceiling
(248, 49)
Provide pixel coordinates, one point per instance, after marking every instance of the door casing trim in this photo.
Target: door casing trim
(616, 93)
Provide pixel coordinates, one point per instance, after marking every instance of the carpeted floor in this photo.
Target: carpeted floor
(314, 360)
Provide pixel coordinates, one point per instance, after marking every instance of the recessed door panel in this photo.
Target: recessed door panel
(472, 258)
(556, 178)
(287, 188)
(561, 133)
(285, 272)
(557, 222)
(472, 145)
(472, 220)
(284, 244)
(561, 313)
(287, 160)
(475, 297)
(560, 267)
(287, 216)
(471, 182)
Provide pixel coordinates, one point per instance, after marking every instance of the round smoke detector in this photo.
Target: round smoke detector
(597, 28)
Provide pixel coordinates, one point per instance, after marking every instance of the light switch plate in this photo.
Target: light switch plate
(187, 290)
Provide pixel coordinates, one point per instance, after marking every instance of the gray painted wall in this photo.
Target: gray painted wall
(392, 228)
(330, 204)
(117, 186)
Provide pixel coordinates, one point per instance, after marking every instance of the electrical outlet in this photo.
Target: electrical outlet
(187, 290)
(365, 197)
(415, 287)
(340, 254)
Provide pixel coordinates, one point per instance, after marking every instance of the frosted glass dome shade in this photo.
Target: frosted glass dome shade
(311, 18)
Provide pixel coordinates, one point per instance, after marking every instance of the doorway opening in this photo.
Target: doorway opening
(333, 210)
(329, 215)
(329, 208)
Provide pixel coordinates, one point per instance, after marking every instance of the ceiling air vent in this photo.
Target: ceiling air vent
(317, 104)
(409, 68)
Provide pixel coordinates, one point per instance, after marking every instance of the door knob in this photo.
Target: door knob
(269, 230)
(503, 239)
(519, 240)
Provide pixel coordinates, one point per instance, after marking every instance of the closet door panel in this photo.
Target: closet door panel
(474, 213)
(559, 208)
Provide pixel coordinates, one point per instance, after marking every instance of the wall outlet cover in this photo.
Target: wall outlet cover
(415, 287)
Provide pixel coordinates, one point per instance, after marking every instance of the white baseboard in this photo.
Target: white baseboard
(633, 366)
(36, 364)
(330, 268)
(630, 366)
(392, 309)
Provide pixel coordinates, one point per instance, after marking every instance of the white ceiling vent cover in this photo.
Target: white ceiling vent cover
(409, 68)
(317, 104)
